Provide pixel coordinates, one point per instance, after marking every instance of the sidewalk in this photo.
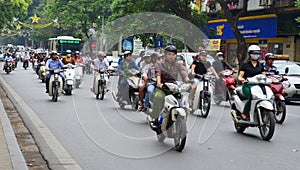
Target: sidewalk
(11, 156)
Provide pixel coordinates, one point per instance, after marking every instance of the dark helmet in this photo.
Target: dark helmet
(269, 56)
(53, 53)
(155, 55)
(171, 48)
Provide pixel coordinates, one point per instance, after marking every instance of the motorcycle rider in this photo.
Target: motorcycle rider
(147, 61)
(140, 59)
(99, 63)
(77, 57)
(26, 58)
(219, 66)
(166, 71)
(52, 64)
(199, 67)
(126, 64)
(148, 77)
(68, 58)
(249, 69)
(7, 58)
(268, 66)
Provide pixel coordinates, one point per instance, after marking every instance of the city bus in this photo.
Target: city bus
(63, 43)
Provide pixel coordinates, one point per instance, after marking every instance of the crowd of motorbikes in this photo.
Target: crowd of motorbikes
(267, 94)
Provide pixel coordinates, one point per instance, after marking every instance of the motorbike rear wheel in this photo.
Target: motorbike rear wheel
(69, 90)
(239, 128)
(267, 127)
(180, 136)
(205, 103)
(55, 94)
(101, 92)
(134, 102)
(280, 114)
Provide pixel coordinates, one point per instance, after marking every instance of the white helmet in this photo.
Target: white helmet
(254, 52)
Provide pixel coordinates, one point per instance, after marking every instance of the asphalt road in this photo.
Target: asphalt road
(80, 132)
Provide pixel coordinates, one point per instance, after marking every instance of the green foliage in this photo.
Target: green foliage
(12, 8)
(297, 4)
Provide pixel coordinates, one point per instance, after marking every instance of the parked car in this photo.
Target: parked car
(292, 85)
(113, 62)
(188, 57)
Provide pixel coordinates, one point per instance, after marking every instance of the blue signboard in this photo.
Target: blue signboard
(252, 28)
(158, 43)
(127, 45)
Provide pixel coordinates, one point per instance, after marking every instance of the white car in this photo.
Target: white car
(292, 85)
(188, 57)
(1, 55)
(113, 62)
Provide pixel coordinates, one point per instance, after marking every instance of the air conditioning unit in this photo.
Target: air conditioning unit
(265, 2)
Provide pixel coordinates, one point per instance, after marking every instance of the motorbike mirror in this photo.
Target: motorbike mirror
(110, 62)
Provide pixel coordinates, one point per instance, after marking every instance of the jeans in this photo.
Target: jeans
(48, 79)
(123, 87)
(150, 90)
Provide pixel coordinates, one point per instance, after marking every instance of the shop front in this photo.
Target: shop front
(260, 30)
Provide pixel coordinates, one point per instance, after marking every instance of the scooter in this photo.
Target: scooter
(78, 74)
(25, 63)
(261, 110)
(202, 101)
(132, 99)
(42, 72)
(279, 101)
(100, 83)
(225, 89)
(172, 120)
(69, 74)
(8, 66)
(55, 85)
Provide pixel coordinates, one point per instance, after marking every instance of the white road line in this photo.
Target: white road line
(60, 152)
(293, 115)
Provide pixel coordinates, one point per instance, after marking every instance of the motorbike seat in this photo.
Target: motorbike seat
(240, 94)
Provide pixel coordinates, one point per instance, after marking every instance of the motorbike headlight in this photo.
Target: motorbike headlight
(286, 84)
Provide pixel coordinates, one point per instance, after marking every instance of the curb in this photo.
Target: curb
(16, 157)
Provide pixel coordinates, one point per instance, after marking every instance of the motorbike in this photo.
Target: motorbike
(8, 67)
(279, 101)
(261, 109)
(132, 99)
(42, 72)
(172, 120)
(202, 101)
(14, 64)
(69, 74)
(225, 89)
(55, 85)
(25, 63)
(78, 74)
(100, 83)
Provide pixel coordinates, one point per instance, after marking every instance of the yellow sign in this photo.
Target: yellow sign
(214, 44)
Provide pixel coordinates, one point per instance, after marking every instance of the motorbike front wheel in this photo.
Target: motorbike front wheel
(101, 91)
(55, 94)
(281, 111)
(180, 136)
(267, 126)
(134, 102)
(205, 103)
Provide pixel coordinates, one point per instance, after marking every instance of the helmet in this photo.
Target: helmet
(68, 51)
(269, 56)
(77, 52)
(53, 53)
(155, 55)
(254, 49)
(203, 53)
(219, 54)
(142, 52)
(127, 52)
(171, 48)
(147, 54)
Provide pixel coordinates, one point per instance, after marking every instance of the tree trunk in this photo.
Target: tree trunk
(233, 24)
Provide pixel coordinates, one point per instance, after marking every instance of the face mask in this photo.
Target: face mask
(254, 56)
(220, 58)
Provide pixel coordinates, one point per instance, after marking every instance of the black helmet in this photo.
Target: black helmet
(171, 48)
(155, 55)
(269, 56)
(53, 53)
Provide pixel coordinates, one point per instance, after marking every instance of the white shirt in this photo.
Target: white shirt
(101, 64)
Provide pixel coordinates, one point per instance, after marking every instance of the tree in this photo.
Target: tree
(232, 19)
(12, 8)
(297, 3)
